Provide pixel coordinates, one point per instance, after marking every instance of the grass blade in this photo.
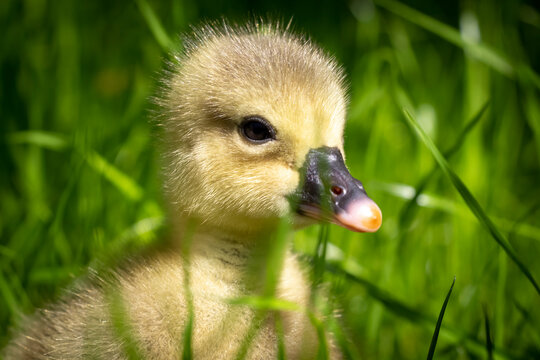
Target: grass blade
(187, 352)
(320, 254)
(527, 214)
(489, 342)
(479, 51)
(413, 315)
(466, 130)
(281, 337)
(342, 338)
(265, 303)
(122, 325)
(53, 275)
(322, 351)
(469, 199)
(409, 209)
(528, 319)
(122, 182)
(276, 256)
(532, 111)
(8, 296)
(435, 337)
(187, 348)
(275, 251)
(254, 327)
(396, 306)
(155, 25)
(449, 206)
(47, 140)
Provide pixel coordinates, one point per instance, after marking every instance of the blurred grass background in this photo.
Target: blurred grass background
(79, 172)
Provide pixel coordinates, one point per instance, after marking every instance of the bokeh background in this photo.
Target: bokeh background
(79, 169)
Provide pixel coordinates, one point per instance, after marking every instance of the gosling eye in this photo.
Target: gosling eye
(257, 130)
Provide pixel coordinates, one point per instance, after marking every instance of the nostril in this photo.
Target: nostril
(337, 190)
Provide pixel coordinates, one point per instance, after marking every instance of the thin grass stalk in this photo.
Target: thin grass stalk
(278, 322)
(531, 104)
(403, 310)
(320, 255)
(256, 322)
(322, 351)
(187, 348)
(470, 200)
(500, 299)
(154, 24)
(502, 274)
(409, 209)
(9, 299)
(262, 305)
(435, 337)
(123, 182)
(479, 51)
(56, 142)
(526, 315)
(489, 341)
(349, 351)
(276, 256)
(63, 247)
(121, 323)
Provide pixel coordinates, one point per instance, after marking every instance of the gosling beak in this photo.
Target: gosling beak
(330, 193)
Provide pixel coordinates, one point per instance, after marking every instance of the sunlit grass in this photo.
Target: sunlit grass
(471, 201)
(79, 175)
(435, 337)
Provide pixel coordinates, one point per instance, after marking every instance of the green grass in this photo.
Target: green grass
(79, 171)
(435, 337)
(471, 202)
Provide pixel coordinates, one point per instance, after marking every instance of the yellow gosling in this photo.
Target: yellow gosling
(253, 122)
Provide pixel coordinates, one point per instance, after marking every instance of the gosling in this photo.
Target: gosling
(253, 122)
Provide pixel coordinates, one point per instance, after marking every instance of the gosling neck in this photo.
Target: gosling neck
(236, 232)
(234, 260)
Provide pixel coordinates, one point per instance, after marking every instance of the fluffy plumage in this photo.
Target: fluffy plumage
(234, 190)
(223, 76)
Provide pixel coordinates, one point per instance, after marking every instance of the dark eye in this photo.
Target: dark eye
(256, 129)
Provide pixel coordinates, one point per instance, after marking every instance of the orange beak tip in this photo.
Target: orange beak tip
(361, 216)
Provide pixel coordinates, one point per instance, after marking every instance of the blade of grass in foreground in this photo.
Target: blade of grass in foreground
(409, 209)
(322, 351)
(342, 337)
(276, 253)
(187, 348)
(469, 199)
(281, 337)
(276, 256)
(403, 310)
(320, 255)
(265, 303)
(433, 344)
(489, 343)
(121, 324)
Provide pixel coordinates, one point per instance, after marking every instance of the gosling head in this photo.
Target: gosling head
(253, 121)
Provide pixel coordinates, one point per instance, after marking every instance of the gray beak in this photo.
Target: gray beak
(329, 193)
